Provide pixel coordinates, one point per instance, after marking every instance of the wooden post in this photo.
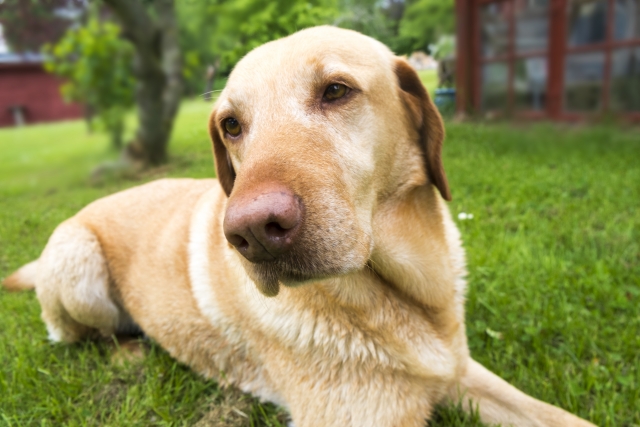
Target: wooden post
(464, 65)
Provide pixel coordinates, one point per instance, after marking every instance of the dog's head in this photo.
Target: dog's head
(311, 134)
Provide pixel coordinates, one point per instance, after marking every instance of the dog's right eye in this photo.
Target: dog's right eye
(335, 91)
(232, 126)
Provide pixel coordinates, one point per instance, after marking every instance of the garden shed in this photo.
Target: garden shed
(557, 59)
(28, 94)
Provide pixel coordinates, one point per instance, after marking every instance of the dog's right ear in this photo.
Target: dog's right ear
(224, 169)
(427, 119)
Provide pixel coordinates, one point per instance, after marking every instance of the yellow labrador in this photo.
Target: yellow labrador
(330, 201)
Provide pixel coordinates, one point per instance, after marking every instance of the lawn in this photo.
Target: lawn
(554, 274)
(429, 79)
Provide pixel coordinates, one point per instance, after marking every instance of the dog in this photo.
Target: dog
(321, 271)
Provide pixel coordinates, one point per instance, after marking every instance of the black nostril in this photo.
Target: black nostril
(242, 244)
(273, 229)
(237, 241)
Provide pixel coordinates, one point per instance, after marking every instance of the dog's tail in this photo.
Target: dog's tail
(22, 279)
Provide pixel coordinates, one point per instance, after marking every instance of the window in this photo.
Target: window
(627, 20)
(514, 43)
(601, 63)
(625, 79)
(583, 78)
(583, 58)
(587, 22)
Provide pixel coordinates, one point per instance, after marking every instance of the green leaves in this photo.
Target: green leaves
(424, 21)
(97, 65)
(228, 30)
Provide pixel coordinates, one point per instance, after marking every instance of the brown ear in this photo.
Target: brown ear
(224, 169)
(427, 119)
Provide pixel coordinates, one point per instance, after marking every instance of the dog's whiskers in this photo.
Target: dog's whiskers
(202, 95)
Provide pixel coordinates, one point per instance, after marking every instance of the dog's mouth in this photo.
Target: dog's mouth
(268, 276)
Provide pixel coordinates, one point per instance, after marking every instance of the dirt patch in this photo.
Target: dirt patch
(232, 409)
(130, 351)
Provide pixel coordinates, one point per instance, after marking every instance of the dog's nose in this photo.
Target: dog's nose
(263, 225)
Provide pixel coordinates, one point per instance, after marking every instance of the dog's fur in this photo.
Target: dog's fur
(365, 324)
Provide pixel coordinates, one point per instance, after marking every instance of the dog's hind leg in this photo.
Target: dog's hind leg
(73, 286)
(498, 402)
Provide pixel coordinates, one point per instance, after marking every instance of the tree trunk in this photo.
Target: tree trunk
(158, 69)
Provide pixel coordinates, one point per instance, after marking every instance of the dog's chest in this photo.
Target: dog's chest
(375, 333)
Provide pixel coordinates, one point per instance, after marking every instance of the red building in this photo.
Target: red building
(558, 59)
(28, 94)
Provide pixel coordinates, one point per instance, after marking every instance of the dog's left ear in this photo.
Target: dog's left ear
(224, 169)
(427, 119)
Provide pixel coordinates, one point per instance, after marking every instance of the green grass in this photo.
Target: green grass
(554, 283)
(429, 79)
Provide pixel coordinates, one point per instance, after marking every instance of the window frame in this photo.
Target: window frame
(556, 54)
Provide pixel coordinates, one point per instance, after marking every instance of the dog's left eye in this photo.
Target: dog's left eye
(232, 126)
(334, 91)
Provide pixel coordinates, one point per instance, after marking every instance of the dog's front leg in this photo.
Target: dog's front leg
(498, 402)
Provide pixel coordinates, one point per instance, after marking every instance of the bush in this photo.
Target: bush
(97, 65)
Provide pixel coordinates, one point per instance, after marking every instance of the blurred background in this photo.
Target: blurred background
(555, 59)
(64, 59)
(541, 100)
